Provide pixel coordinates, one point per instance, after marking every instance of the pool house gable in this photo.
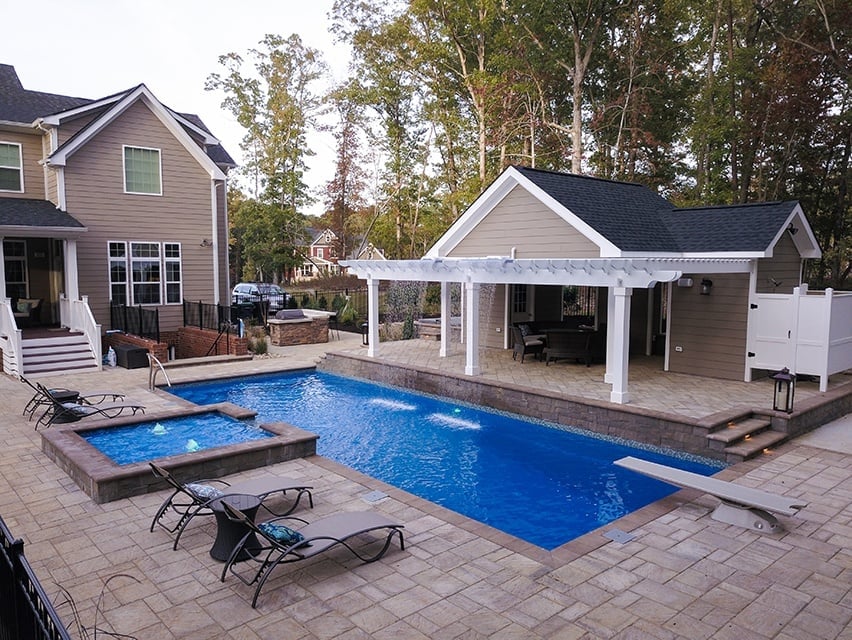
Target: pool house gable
(514, 217)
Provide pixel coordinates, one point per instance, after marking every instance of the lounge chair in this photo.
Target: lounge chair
(280, 545)
(62, 412)
(42, 397)
(194, 499)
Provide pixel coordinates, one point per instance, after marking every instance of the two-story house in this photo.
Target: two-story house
(321, 255)
(117, 200)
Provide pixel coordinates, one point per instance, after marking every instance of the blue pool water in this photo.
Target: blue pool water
(151, 440)
(544, 483)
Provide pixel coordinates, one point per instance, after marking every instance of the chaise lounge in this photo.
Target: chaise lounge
(192, 499)
(61, 412)
(279, 544)
(43, 397)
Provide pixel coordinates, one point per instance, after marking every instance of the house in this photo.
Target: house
(716, 290)
(321, 255)
(115, 200)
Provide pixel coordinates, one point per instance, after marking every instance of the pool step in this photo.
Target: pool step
(745, 437)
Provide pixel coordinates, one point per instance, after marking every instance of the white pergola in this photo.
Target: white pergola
(619, 275)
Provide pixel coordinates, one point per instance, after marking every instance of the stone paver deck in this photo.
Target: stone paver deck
(684, 575)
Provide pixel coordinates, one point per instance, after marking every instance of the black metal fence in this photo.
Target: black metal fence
(25, 610)
(218, 317)
(137, 321)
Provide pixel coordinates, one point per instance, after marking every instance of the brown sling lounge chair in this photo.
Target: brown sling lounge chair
(270, 543)
(61, 412)
(42, 397)
(196, 498)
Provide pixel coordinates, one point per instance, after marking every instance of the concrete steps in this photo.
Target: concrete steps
(64, 353)
(745, 437)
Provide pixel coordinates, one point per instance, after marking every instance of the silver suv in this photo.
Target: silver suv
(250, 292)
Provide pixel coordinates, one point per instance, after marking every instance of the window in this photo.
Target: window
(320, 252)
(142, 171)
(145, 273)
(15, 261)
(11, 173)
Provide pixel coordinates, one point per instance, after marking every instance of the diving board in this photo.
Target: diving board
(742, 506)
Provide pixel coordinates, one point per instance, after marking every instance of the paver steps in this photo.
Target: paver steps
(65, 352)
(745, 438)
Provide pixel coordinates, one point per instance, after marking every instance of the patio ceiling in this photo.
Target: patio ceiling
(594, 272)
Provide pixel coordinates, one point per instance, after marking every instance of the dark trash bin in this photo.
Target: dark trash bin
(131, 357)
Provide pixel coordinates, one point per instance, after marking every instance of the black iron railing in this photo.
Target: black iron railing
(137, 321)
(26, 613)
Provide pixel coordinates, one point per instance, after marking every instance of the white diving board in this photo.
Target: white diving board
(742, 506)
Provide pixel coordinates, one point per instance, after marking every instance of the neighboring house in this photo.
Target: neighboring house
(715, 290)
(119, 199)
(321, 255)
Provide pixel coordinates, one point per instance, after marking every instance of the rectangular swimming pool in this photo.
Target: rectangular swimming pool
(541, 482)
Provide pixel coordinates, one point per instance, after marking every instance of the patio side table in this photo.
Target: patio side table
(229, 532)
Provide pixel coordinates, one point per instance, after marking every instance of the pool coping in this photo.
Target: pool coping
(103, 480)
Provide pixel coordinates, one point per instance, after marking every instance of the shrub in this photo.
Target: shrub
(408, 327)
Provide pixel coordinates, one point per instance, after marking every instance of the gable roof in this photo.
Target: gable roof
(626, 219)
(24, 107)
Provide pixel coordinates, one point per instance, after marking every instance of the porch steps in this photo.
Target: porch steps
(64, 353)
(745, 437)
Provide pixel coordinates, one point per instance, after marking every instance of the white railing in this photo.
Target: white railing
(77, 316)
(10, 339)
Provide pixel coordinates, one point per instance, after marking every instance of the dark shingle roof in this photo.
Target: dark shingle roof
(635, 219)
(27, 212)
(21, 105)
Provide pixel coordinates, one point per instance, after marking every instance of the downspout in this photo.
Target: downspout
(214, 201)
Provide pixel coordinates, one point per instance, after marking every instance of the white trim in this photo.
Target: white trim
(60, 156)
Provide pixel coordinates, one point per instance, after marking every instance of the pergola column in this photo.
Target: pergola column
(72, 285)
(618, 326)
(471, 322)
(372, 317)
(446, 312)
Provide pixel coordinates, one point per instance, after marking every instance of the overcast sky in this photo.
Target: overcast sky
(93, 48)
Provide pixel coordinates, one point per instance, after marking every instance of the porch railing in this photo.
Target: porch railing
(137, 321)
(25, 610)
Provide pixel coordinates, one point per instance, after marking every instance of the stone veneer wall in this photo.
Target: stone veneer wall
(633, 423)
(284, 333)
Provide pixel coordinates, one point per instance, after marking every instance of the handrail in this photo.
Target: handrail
(154, 366)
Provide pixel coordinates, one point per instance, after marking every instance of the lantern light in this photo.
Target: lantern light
(785, 390)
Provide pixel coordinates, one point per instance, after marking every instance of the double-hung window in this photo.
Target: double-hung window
(11, 167)
(142, 171)
(145, 273)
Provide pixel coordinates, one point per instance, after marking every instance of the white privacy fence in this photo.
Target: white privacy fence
(808, 332)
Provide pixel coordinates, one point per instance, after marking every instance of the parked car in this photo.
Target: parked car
(251, 292)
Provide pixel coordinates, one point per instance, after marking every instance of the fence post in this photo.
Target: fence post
(200, 314)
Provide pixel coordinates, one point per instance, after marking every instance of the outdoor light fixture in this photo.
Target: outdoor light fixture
(785, 389)
(206, 243)
(706, 285)
(793, 230)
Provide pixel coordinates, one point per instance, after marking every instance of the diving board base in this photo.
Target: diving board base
(747, 517)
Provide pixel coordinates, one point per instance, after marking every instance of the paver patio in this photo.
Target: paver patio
(684, 575)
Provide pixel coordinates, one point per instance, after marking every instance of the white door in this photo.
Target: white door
(521, 303)
(770, 326)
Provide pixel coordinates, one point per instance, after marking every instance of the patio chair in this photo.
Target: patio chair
(61, 412)
(192, 499)
(278, 544)
(525, 344)
(40, 399)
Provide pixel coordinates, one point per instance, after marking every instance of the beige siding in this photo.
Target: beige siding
(711, 330)
(70, 128)
(30, 157)
(784, 267)
(522, 222)
(95, 196)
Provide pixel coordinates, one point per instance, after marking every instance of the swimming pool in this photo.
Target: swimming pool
(543, 483)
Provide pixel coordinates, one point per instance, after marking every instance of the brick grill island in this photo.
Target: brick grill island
(311, 329)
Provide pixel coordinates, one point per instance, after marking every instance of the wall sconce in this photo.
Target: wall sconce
(793, 230)
(684, 282)
(785, 389)
(706, 285)
(206, 243)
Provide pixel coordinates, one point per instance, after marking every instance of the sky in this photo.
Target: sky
(94, 48)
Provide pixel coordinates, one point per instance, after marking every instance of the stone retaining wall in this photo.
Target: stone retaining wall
(633, 423)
